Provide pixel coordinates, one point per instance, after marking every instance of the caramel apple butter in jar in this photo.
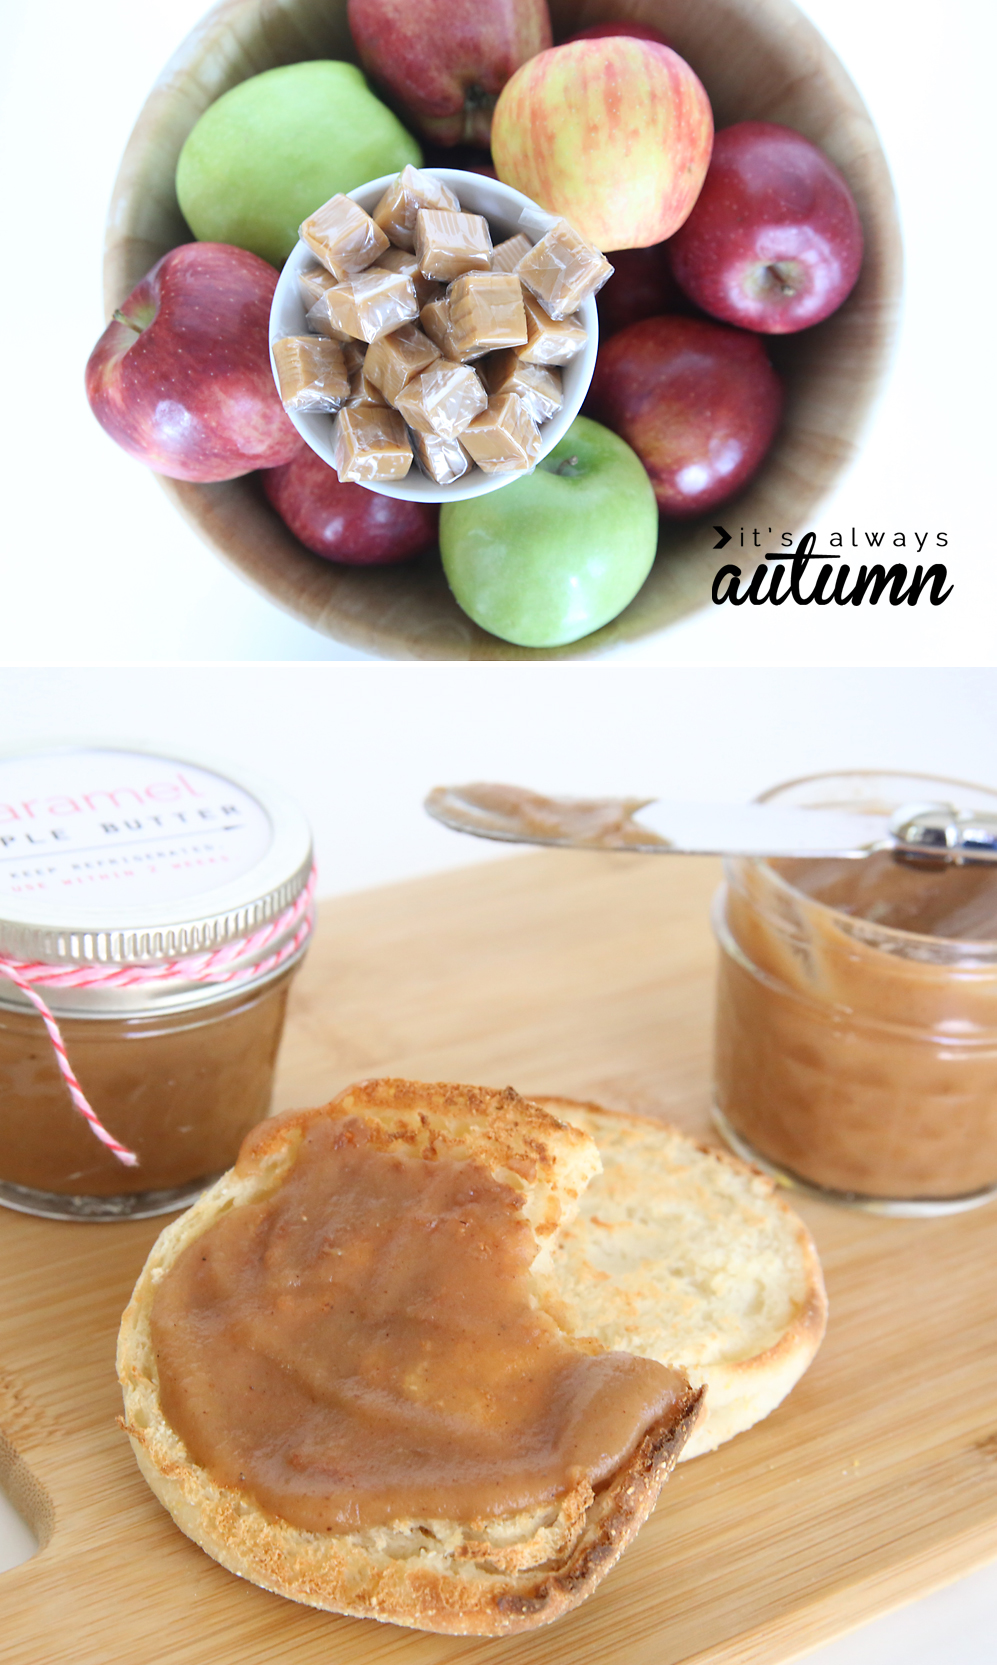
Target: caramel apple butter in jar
(153, 912)
(856, 1036)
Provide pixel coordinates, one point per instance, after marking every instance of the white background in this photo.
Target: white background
(360, 745)
(97, 565)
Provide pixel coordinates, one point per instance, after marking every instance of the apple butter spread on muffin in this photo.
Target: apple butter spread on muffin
(343, 1381)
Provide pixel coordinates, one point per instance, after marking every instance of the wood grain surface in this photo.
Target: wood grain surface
(589, 975)
(759, 60)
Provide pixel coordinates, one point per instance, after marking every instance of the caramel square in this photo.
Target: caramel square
(394, 359)
(442, 400)
(444, 460)
(504, 439)
(367, 306)
(384, 300)
(311, 373)
(435, 321)
(485, 312)
(354, 353)
(537, 386)
(335, 314)
(550, 340)
(506, 256)
(343, 237)
(369, 442)
(401, 202)
(562, 270)
(363, 391)
(314, 283)
(448, 244)
(401, 260)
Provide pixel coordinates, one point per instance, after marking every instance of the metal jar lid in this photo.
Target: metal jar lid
(117, 855)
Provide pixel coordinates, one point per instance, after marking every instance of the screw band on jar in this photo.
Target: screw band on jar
(215, 966)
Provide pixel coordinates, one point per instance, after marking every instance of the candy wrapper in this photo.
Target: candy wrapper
(311, 373)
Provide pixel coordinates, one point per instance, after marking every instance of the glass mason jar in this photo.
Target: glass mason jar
(121, 873)
(856, 1024)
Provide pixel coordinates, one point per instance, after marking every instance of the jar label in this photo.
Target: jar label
(124, 827)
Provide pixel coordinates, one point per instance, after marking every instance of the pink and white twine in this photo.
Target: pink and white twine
(214, 966)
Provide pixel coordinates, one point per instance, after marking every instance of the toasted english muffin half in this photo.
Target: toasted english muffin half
(682, 1253)
(487, 1577)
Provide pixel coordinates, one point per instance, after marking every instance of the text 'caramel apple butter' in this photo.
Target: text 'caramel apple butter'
(363, 1346)
(856, 1041)
(159, 910)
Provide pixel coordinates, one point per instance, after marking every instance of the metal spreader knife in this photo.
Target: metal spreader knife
(936, 832)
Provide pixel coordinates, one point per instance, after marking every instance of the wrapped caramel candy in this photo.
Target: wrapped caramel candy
(367, 306)
(394, 359)
(504, 439)
(485, 312)
(363, 391)
(344, 238)
(401, 202)
(447, 244)
(537, 386)
(444, 460)
(369, 442)
(506, 256)
(314, 283)
(550, 340)
(435, 320)
(562, 270)
(311, 373)
(400, 260)
(354, 353)
(442, 400)
(319, 318)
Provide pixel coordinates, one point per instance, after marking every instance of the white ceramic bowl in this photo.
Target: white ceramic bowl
(507, 211)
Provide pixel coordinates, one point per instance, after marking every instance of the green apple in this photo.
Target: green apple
(271, 150)
(553, 556)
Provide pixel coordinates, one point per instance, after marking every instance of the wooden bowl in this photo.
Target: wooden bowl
(759, 60)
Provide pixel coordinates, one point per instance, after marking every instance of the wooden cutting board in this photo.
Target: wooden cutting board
(589, 975)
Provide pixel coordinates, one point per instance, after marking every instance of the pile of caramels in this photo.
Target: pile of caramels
(428, 341)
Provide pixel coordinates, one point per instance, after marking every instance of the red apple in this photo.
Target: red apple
(444, 62)
(639, 31)
(346, 522)
(774, 242)
(641, 286)
(699, 403)
(181, 377)
(613, 134)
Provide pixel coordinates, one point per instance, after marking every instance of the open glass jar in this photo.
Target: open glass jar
(856, 1030)
(158, 910)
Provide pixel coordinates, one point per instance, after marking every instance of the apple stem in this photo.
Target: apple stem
(478, 107)
(568, 466)
(780, 276)
(119, 318)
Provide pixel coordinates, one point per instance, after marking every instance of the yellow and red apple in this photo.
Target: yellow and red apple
(614, 134)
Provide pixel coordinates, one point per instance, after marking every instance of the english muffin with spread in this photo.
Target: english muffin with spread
(680, 1252)
(349, 1376)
